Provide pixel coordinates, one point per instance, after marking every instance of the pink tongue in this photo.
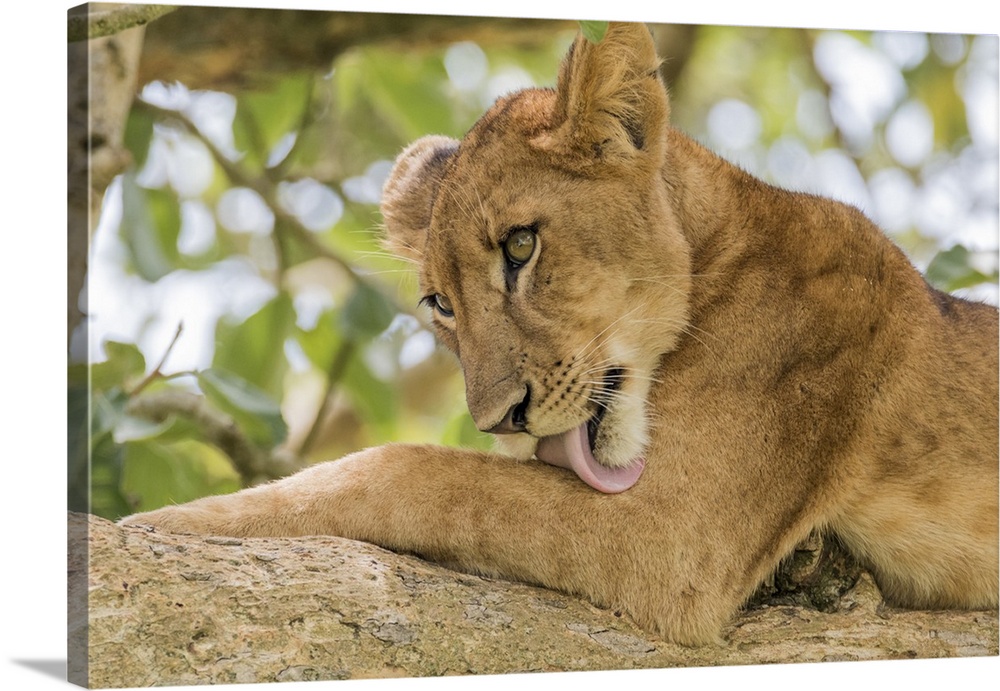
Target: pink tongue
(572, 450)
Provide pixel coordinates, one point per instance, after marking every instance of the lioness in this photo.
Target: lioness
(689, 371)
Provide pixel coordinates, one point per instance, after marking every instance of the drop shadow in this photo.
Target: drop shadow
(51, 668)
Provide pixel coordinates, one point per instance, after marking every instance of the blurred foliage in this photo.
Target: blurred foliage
(845, 114)
(284, 177)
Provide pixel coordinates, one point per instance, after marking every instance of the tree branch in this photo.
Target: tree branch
(176, 610)
(338, 365)
(95, 24)
(227, 48)
(157, 372)
(253, 464)
(267, 190)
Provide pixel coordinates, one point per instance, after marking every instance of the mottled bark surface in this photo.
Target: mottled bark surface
(229, 48)
(101, 80)
(170, 609)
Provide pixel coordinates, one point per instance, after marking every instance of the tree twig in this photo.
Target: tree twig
(333, 376)
(157, 372)
(267, 190)
(108, 22)
(220, 430)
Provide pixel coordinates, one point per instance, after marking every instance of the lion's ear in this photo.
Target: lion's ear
(611, 104)
(410, 191)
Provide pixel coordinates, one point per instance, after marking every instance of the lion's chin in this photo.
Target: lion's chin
(520, 446)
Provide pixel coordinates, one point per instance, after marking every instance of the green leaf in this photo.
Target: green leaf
(253, 349)
(951, 270)
(321, 342)
(151, 223)
(594, 31)
(265, 117)
(102, 481)
(106, 498)
(257, 413)
(934, 84)
(124, 363)
(366, 314)
(375, 400)
(155, 474)
(138, 135)
(408, 93)
(106, 409)
(130, 428)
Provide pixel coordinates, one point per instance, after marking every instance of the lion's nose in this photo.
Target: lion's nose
(516, 419)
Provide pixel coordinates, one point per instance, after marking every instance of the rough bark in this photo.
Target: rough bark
(101, 82)
(229, 48)
(107, 19)
(169, 609)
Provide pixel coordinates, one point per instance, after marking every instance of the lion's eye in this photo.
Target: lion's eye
(519, 246)
(440, 303)
(443, 305)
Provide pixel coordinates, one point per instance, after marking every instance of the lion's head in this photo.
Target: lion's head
(550, 258)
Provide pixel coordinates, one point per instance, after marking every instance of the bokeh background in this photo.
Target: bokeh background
(243, 320)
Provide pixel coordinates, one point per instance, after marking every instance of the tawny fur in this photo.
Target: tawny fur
(785, 369)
